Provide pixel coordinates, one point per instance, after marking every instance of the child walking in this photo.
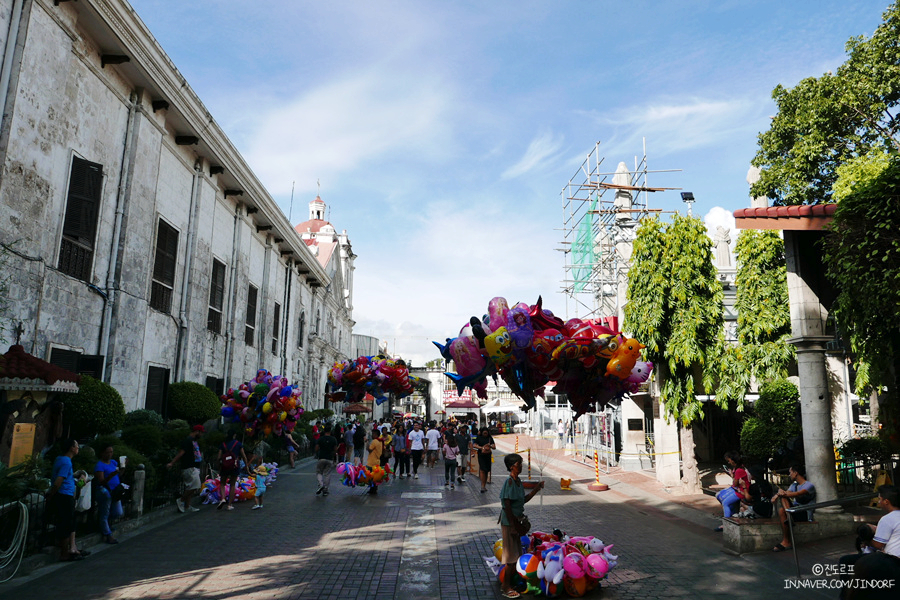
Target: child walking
(261, 474)
(451, 451)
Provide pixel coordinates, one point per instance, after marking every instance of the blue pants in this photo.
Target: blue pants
(107, 509)
(731, 503)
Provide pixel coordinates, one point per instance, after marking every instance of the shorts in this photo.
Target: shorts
(512, 545)
(226, 474)
(63, 508)
(191, 479)
(432, 454)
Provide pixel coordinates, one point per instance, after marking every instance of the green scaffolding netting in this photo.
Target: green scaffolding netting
(583, 250)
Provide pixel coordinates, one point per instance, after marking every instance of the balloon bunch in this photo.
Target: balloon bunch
(557, 562)
(355, 475)
(375, 375)
(528, 346)
(265, 404)
(245, 487)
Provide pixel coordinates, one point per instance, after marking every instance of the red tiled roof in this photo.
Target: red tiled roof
(802, 217)
(313, 226)
(17, 364)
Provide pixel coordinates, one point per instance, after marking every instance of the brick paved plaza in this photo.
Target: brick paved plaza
(416, 539)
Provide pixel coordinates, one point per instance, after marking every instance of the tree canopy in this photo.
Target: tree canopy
(823, 122)
(764, 322)
(862, 257)
(675, 308)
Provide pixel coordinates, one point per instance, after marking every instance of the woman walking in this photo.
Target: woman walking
(451, 451)
(376, 449)
(484, 443)
(401, 453)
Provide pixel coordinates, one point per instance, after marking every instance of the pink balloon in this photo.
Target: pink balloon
(497, 310)
(574, 565)
(596, 566)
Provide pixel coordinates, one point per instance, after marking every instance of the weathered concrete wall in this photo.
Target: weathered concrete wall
(66, 104)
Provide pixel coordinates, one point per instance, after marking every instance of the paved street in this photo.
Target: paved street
(415, 539)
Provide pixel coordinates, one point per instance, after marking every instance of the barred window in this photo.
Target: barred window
(76, 252)
(250, 322)
(276, 325)
(163, 282)
(216, 297)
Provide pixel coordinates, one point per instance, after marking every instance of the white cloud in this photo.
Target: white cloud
(542, 147)
(333, 129)
(448, 269)
(681, 125)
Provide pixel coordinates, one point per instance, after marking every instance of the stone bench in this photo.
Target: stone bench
(742, 536)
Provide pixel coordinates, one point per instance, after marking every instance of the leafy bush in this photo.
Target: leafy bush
(146, 439)
(143, 416)
(774, 420)
(193, 402)
(172, 438)
(30, 474)
(869, 450)
(177, 424)
(210, 443)
(97, 408)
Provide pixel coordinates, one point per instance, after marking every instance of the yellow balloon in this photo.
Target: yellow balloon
(498, 549)
(267, 407)
(282, 416)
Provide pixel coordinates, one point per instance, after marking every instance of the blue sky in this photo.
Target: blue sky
(443, 132)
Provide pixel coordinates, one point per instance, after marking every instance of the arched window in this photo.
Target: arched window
(302, 329)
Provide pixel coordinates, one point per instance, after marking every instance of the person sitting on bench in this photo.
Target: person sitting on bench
(799, 493)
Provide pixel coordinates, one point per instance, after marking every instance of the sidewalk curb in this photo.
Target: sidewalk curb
(673, 508)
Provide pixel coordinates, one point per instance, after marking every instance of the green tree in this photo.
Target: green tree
(97, 408)
(675, 308)
(764, 322)
(775, 420)
(824, 122)
(193, 402)
(862, 257)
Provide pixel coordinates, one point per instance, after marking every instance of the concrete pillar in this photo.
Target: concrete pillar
(136, 507)
(815, 410)
(666, 442)
(806, 285)
(633, 436)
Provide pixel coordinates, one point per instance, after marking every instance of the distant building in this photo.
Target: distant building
(142, 249)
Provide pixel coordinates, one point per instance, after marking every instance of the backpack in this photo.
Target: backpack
(230, 458)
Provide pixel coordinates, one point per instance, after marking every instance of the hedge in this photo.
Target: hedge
(97, 408)
(193, 402)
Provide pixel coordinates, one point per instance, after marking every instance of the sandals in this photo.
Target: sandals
(511, 594)
(781, 548)
(72, 558)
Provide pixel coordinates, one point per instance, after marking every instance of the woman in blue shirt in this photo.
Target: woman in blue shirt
(106, 476)
(62, 502)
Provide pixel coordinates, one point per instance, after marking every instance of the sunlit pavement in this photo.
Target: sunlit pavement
(415, 539)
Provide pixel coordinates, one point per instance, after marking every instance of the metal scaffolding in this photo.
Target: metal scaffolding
(600, 217)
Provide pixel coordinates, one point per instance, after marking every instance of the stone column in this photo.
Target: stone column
(815, 409)
(804, 278)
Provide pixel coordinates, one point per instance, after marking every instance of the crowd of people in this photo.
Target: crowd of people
(411, 442)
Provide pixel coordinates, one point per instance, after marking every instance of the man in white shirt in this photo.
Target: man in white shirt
(415, 442)
(434, 444)
(881, 566)
(887, 534)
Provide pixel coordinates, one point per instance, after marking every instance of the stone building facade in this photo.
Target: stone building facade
(141, 247)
